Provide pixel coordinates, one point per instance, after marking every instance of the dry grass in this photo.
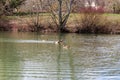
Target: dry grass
(45, 17)
(46, 22)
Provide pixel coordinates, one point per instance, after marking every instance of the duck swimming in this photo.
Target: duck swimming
(59, 42)
(66, 47)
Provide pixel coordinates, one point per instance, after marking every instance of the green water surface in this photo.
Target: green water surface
(33, 56)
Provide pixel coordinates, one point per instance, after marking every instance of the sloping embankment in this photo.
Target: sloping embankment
(24, 25)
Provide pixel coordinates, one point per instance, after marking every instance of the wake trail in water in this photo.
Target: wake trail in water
(27, 41)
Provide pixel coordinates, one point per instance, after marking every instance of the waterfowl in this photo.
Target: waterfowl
(58, 42)
(66, 47)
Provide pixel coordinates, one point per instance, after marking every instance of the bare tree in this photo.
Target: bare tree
(112, 6)
(116, 6)
(8, 6)
(35, 14)
(60, 10)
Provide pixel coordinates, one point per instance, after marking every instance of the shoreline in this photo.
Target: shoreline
(15, 27)
(109, 25)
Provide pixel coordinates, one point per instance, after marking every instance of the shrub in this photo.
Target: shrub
(92, 10)
(4, 24)
(116, 8)
(92, 21)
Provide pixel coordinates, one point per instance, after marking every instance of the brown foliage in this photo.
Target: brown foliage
(94, 22)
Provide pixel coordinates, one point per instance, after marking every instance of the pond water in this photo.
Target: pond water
(32, 56)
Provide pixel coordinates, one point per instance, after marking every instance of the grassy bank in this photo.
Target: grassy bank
(45, 23)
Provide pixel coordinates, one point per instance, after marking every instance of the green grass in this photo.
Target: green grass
(112, 17)
(72, 16)
(72, 19)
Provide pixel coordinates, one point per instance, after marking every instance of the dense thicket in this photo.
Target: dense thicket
(7, 7)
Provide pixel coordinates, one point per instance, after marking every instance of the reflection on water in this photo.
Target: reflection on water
(24, 56)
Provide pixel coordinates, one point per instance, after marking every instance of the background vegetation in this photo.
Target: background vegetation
(81, 16)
